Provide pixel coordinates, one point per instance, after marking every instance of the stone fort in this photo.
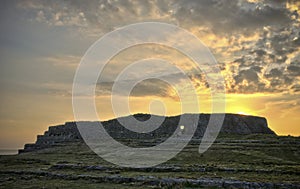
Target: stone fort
(68, 132)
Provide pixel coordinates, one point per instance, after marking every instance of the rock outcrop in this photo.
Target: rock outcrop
(233, 124)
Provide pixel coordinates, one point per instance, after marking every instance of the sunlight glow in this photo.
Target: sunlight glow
(243, 113)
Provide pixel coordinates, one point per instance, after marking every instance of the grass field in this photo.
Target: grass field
(234, 161)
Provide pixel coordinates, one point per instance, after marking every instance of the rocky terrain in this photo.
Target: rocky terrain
(246, 154)
(233, 124)
(233, 161)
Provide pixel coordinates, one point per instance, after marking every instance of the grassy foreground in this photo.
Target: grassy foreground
(253, 161)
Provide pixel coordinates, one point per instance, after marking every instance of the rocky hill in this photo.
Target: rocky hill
(233, 124)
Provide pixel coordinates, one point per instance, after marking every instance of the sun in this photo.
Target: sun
(243, 113)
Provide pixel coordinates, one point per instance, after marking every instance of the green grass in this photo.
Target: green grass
(253, 158)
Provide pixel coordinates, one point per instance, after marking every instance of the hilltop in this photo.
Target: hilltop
(233, 124)
(246, 154)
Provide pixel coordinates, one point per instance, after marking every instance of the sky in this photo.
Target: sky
(256, 45)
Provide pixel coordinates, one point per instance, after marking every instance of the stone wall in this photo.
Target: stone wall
(233, 124)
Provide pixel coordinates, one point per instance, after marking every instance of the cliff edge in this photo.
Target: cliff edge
(68, 132)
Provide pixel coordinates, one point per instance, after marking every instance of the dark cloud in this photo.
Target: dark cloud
(274, 73)
(223, 17)
(294, 70)
(250, 75)
(230, 15)
(264, 64)
(257, 68)
(259, 52)
(296, 88)
(149, 87)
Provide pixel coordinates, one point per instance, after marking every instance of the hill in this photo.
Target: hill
(246, 154)
(233, 124)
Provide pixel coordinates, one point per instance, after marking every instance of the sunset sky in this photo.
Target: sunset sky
(256, 45)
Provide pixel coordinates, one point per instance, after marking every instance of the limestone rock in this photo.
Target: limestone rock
(233, 124)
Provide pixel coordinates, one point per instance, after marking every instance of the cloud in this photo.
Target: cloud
(94, 18)
(294, 69)
(256, 42)
(150, 87)
(223, 17)
(296, 88)
(274, 73)
(70, 61)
